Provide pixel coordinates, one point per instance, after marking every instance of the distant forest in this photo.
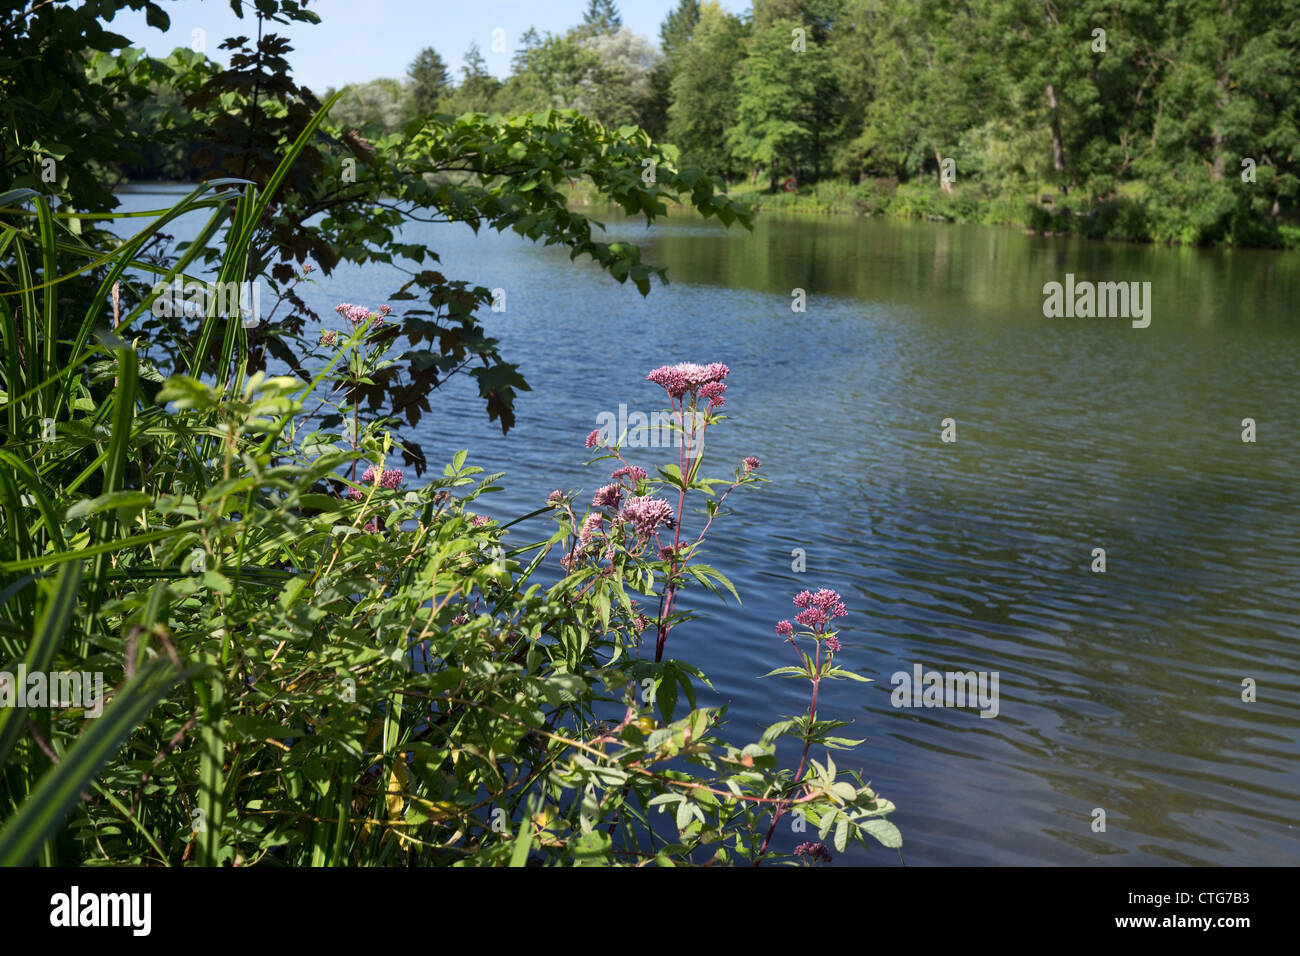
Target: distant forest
(1138, 119)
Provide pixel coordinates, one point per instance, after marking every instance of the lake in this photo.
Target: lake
(1120, 690)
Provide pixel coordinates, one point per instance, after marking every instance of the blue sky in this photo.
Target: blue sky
(359, 40)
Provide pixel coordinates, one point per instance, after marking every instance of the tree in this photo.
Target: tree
(550, 75)
(384, 104)
(703, 92)
(676, 30)
(618, 88)
(777, 109)
(602, 16)
(477, 90)
(430, 81)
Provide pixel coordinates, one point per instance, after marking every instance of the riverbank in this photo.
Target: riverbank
(1137, 212)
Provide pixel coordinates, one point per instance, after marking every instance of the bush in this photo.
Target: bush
(310, 662)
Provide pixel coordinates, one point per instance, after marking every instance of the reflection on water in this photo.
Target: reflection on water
(1119, 690)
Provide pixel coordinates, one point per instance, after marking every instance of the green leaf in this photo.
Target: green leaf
(45, 643)
(842, 833)
(44, 809)
(884, 831)
(787, 672)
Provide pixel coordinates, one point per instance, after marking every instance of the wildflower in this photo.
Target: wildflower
(555, 498)
(328, 336)
(385, 311)
(591, 525)
(751, 464)
(356, 314)
(478, 521)
(594, 438)
(632, 473)
(685, 377)
(816, 851)
(459, 619)
(641, 622)
(388, 478)
(811, 617)
(713, 392)
(608, 496)
(666, 554)
(306, 267)
(785, 628)
(371, 526)
(832, 643)
(647, 514)
(827, 601)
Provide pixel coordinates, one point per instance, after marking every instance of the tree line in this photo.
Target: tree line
(1145, 119)
(1136, 119)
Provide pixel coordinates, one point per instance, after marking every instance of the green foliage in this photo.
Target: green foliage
(781, 95)
(703, 91)
(430, 82)
(307, 668)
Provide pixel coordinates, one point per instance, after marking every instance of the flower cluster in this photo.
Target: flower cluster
(388, 478)
(608, 496)
(328, 336)
(751, 464)
(594, 438)
(556, 498)
(685, 377)
(592, 525)
(647, 514)
(818, 609)
(632, 473)
(713, 391)
(815, 851)
(357, 314)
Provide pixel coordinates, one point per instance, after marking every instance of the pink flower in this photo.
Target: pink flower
(371, 526)
(666, 554)
(632, 473)
(827, 601)
(832, 643)
(306, 267)
(816, 851)
(555, 498)
(751, 464)
(594, 438)
(608, 496)
(385, 310)
(713, 392)
(784, 628)
(358, 314)
(460, 619)
(685, 377)
(389, 478)
(641, 622)
(811, 617)
(647, 514)
(479, 521)
(591, 525)
(328, 336)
